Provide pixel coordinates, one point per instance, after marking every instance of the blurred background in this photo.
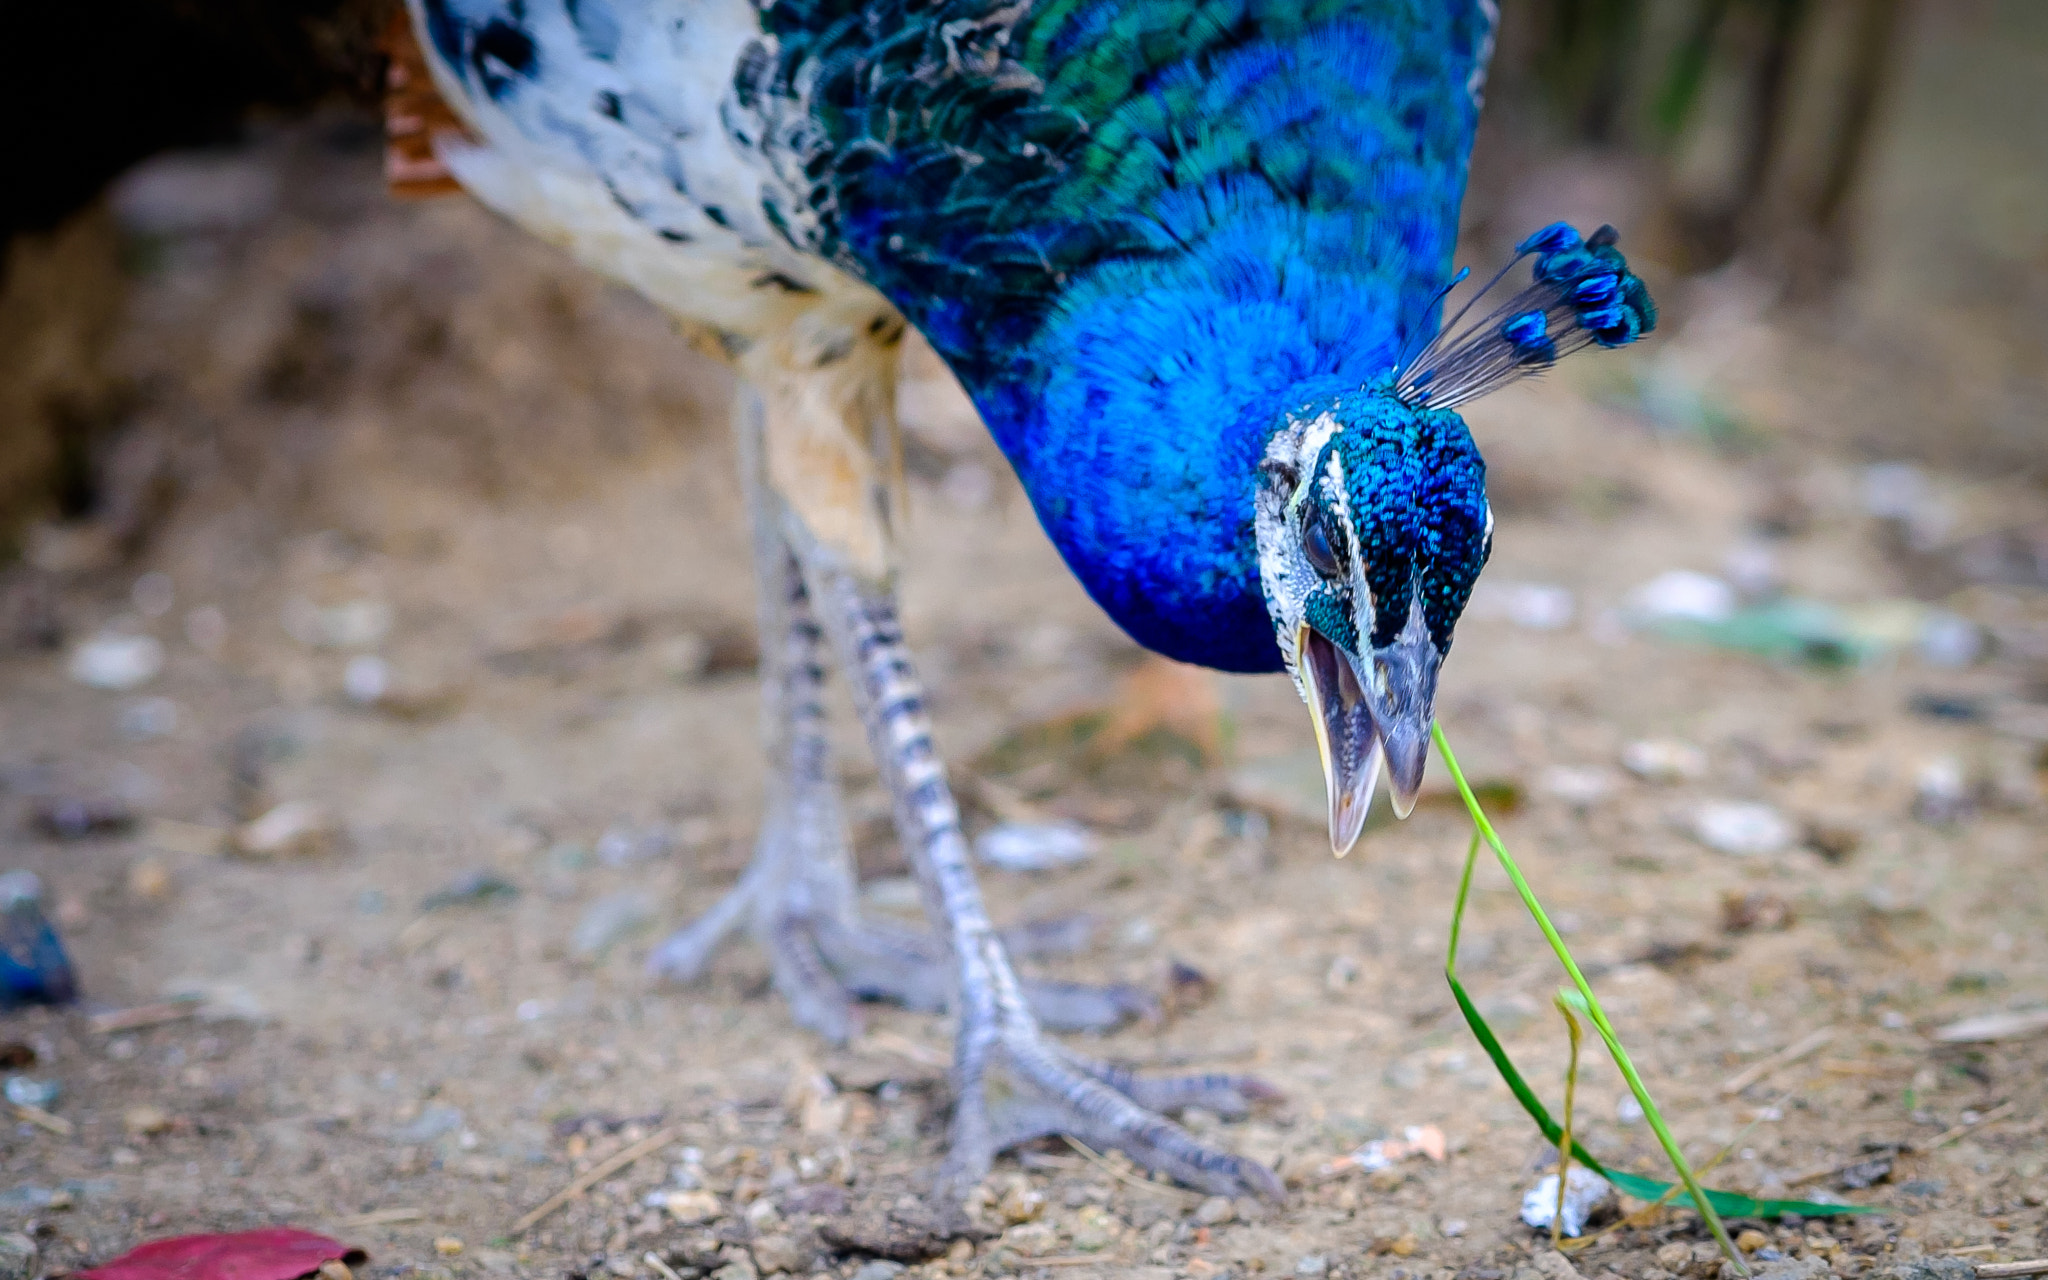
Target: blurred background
(376, 673)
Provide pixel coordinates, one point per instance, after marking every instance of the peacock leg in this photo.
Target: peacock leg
(797, 896)
(801, 876)
(1058, 1092)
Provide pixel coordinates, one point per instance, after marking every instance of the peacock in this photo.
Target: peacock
(1188, 258)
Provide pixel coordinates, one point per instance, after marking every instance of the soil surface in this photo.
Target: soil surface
(440, 540)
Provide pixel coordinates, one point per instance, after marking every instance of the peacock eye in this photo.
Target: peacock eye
(1316, 544)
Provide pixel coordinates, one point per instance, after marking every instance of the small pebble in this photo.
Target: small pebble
(1664, 760)
(1683, 595)
(366, 679)
(113, 660)
(1585, 1191)
(1949, 640)
(145, 1121)
(26, 1091)
(447, 1246)
(692, 1206)
(775, 1254)
(878, 1269)
(1581, 786)
(1215, 1211)
(1941, 792)
(1019, 1202)
(1035, 846)
(1552, 1265)
(1742, 828)
(149, 881)
(294, 829)
(1750, 1240)
(1312, 1265)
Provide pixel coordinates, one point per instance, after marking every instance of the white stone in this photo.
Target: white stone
(1035, 846)
(1744, 828)
(113, 660)
(1685, 595)
(1584, 1191)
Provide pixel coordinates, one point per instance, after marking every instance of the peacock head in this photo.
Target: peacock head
(1372, 520)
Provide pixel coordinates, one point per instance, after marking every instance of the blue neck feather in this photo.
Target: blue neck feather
(1137, 413)
(1146, 407)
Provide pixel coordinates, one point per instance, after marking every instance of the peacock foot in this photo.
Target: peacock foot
(825, 962)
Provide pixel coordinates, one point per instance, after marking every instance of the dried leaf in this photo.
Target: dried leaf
(275, 1253)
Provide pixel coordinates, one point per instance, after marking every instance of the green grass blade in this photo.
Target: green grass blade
(1710, 1204)
(1733, 1204)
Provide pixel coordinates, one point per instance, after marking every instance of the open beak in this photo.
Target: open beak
(1363, 722)
(1345, 736)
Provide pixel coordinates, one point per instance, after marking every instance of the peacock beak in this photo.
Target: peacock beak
(1345, 735)
(1366, 721)
(1404, 695)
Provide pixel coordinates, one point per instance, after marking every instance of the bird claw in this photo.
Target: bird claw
(824, 964)
(1109, 1107)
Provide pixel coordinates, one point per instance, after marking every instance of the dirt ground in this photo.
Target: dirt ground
(442, 544)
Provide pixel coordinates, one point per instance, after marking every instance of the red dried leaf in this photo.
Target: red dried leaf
(274, 1253)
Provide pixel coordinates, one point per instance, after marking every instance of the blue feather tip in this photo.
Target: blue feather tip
(1583, 294)
(33, 966)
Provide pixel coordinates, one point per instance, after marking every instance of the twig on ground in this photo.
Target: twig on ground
(381, 1217)
(1094, 1157)
(1946, 1136)
(146, 1015)
(2013, 1270)
(1784, 1057)
(43, 1119)
(604, 1169)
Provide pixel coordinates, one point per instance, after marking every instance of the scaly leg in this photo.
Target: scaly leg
(1066, 1093)
(797, 897)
